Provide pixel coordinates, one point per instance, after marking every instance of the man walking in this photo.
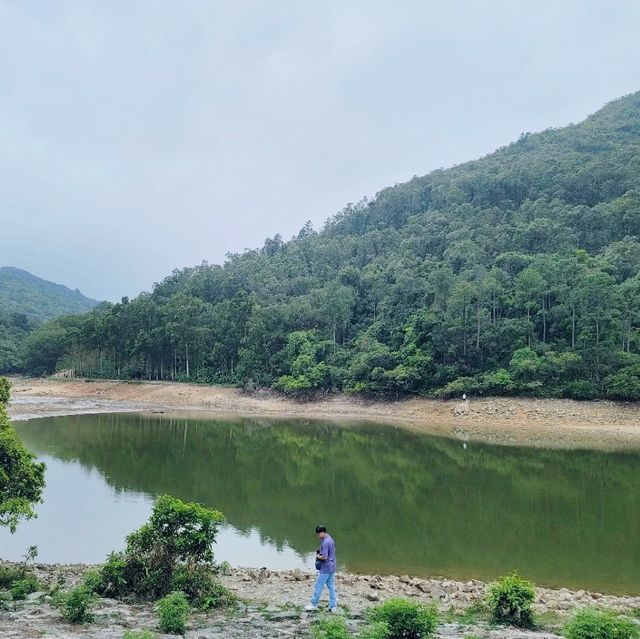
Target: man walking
(326, 567)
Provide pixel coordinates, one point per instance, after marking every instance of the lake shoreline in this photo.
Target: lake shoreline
(548, 423)
(273, 601)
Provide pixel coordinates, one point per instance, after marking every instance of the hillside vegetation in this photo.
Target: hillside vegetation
(514, 274)
(27, 301)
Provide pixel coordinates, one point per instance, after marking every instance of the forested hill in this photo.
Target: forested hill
(515, 273)
(25, 302)
(38, 299)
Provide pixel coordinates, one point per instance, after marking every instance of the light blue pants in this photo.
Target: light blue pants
(325, 579)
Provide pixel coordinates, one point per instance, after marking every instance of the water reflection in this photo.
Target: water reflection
(397, 502)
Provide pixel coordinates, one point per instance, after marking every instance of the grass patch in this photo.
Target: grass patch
(330, 628)
(592, 623)
(476, 613)
(549, 620)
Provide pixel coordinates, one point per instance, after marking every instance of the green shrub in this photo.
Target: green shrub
(112, 581)
(217, 597)
(173, 612)
(92, 579)
(590, 623)
(202, 588)
(76, 605)
(9, 575)
(139, 634)
(5, 390)
(581, 389)
(23, 587)
(332, 628)
(472, 615)
(172, 551)
(21, 476)
(405, 619)
(510, 600)
(624, 384)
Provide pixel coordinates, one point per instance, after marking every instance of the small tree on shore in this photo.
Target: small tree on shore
(21, 477)
(510, 600)
(173, 551)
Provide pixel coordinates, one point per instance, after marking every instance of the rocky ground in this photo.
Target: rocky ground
(272, 602)
(513, 421)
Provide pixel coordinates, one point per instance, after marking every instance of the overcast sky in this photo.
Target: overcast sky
(137, 137)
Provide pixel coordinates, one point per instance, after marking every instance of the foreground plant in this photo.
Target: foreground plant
(404, 619)
(24, 586)
(510, 600)
(591, 623)
(173, 551)
(21, 477)
(376, 630)
(332, 628)
(173, 613)
(19, 579)
(76, 605)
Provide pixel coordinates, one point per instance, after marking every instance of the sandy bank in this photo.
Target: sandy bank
(517, 421)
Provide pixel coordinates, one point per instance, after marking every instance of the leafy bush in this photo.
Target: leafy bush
(624, 384)
(510, 600)
(92, 580)
(172, 551)
(9, 575)
(332, 628)
(405, 619)
(5, 390)
(202, 588)
(581, 389)
(21, 476)
(173, 611)
(600, 624)
(24, 586)
(112, 581)
(76, 605)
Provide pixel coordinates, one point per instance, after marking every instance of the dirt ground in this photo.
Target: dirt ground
(510, 421)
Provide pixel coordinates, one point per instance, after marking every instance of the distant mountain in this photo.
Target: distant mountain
(38, 299)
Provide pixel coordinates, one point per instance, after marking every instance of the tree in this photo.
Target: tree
(21, 477)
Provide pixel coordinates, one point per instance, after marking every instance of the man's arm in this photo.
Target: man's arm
(324, 551)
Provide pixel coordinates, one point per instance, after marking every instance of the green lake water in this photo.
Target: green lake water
(396, 501)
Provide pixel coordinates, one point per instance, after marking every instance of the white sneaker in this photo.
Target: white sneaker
(310, 607)
(334, 610)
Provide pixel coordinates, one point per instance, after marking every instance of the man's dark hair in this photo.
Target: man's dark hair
(320, 529)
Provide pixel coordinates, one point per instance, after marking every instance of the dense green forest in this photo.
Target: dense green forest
(514, 274)
(26, 301)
